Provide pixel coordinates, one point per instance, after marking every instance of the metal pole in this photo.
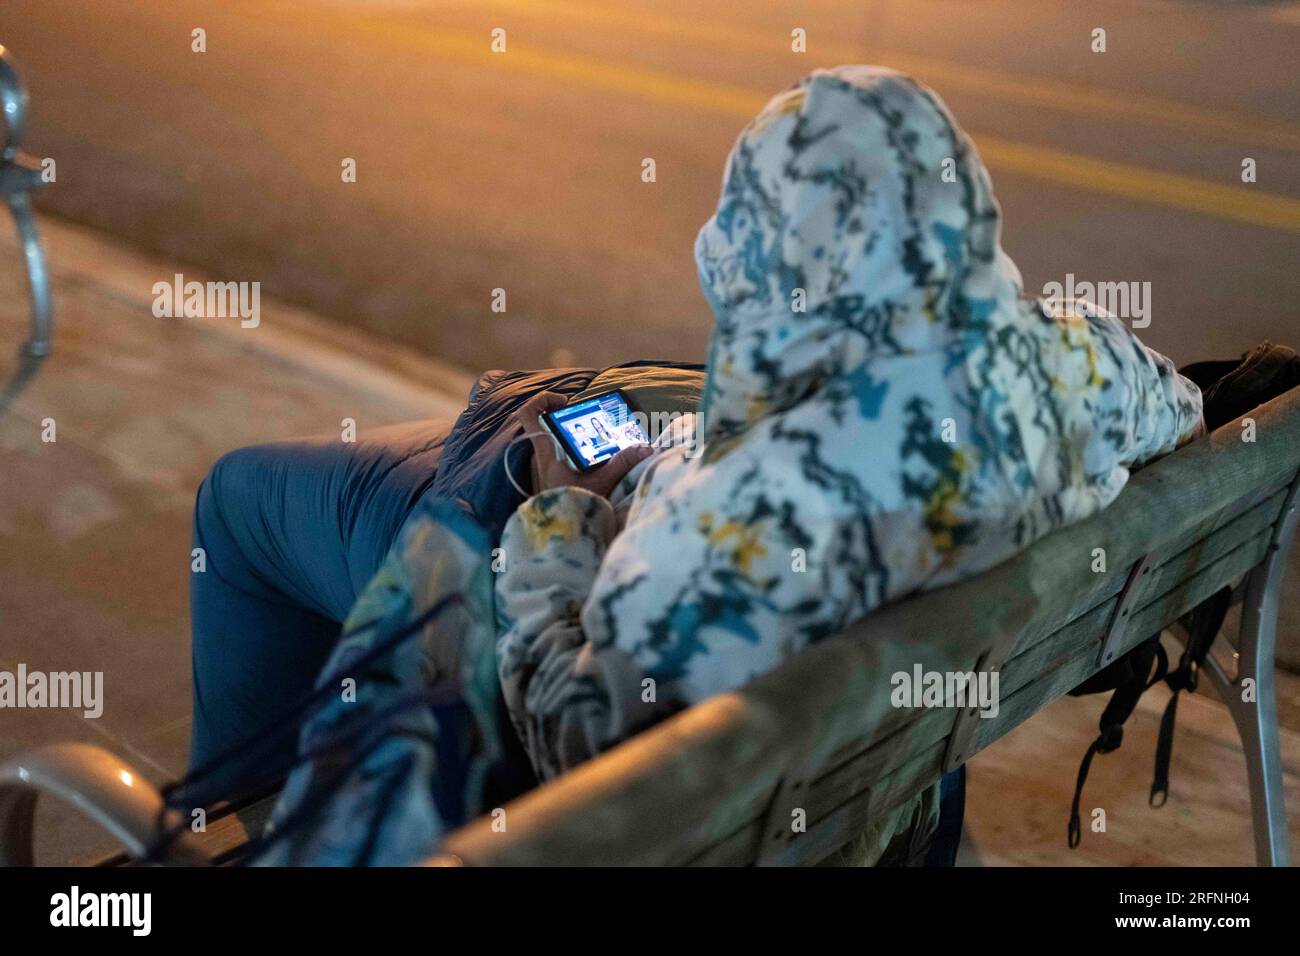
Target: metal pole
(19, 176)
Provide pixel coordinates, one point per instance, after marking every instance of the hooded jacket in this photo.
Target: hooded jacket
(884, 412)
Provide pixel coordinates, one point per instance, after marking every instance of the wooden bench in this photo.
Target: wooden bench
(718, 783)
(721, 782)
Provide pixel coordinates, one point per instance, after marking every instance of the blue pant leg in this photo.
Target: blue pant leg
(952, 810)
(291, 532)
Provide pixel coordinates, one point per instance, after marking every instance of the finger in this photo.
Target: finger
(634, 453)
(614, 470)
(544, 449)
(529, 411)
(528, 417)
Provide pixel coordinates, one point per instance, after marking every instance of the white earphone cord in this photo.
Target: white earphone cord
(505, 458)
(505, 461)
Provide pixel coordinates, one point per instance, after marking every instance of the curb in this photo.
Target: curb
(392, 372)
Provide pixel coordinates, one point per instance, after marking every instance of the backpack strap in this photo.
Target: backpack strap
(1203, 624)
(1120, 707)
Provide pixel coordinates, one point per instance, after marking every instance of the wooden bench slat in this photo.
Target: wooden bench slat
(1041, 655)
(924, 728)
(835, 827)
(1166, 609)
(1075, 641)
(841, 802)
(1047, 678)
(1060, 647)
(832, 821)
(1263, 505)
(1262, 502)
(1162, 611)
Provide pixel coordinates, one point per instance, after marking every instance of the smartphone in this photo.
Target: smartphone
(595, 429)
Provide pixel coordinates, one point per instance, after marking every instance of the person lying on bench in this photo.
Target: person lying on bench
(883, 412)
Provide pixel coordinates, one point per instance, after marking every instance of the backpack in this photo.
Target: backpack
(1130, 677)
(1230, 389)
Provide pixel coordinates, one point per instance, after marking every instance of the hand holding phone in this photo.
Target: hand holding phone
(595, 429)
(582, 458)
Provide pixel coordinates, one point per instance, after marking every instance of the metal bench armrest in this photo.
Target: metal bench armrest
(96, 782)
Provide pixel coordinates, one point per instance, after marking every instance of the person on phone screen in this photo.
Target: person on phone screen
(585, 440)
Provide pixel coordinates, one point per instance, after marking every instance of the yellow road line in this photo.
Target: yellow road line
(941, 74)
(1187, 193)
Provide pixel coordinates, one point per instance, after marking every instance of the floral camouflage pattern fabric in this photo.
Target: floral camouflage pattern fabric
(394, 755)
(884, 412)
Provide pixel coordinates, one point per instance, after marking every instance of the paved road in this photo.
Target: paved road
(522, 170)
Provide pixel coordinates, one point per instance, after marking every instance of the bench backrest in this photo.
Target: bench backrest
(717, 783)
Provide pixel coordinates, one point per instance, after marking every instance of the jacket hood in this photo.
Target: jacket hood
(856, 223)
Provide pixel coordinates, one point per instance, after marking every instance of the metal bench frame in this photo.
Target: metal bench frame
(717, 783)
(20, 176)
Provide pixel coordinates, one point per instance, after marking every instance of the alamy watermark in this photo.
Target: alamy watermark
(57, 690)
(133, 911)
(209, 300)
(672, 429)
(957, 689)
(1130, 301)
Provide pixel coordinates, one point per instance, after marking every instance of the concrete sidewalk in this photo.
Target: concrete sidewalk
(95, 526)
(95, 539)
